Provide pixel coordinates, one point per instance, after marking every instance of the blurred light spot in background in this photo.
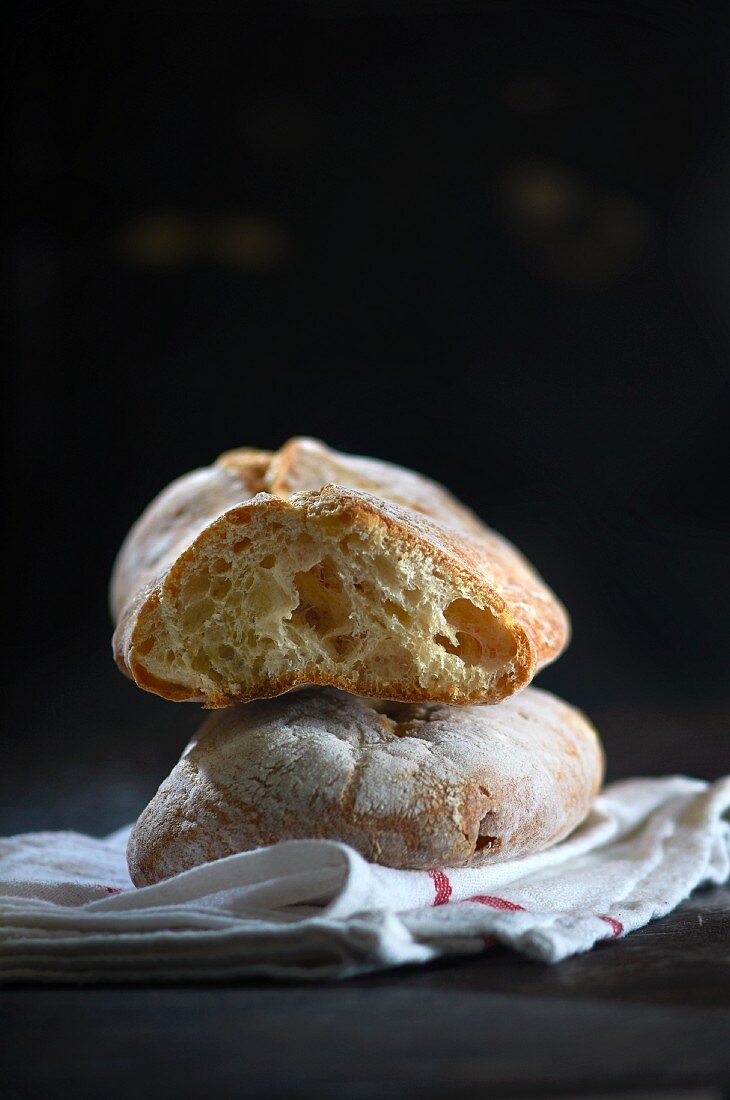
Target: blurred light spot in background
(169, 240)
(529, 93)
(575, 231)
(255, 243)
(163, 240)
(540, 198)
(281, 128)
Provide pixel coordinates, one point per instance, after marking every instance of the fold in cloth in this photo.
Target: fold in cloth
(317, 909)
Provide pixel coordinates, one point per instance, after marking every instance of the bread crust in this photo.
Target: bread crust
(409, 786)
(483, 567)
(176, 516)
(305, 464)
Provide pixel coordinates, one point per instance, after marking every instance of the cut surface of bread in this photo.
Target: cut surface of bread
(336, 587)
(419, 786)
(350, 572)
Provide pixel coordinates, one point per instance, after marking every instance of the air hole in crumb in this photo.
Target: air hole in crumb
(241, 544)
(170, 656)
(488, 842)
(200, 662)
(388, 571)
(303, 541)
(197, 614)
(395, 609)
(467, 648)
(269, 561)
(196, 585)
(220, 588)
(144, 647)
(353, 540)
(480, 637)
(340, 646)
(227, 652)
(323, 604)
(220, 565)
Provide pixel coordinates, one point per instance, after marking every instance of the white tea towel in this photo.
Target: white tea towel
(315, 908)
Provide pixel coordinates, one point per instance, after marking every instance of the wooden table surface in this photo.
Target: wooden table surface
(648, 1014)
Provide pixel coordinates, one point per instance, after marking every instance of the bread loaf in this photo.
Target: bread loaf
(338, 571)
(417, 786)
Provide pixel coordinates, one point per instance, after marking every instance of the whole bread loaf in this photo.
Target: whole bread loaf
(408, 785)
(268, 572)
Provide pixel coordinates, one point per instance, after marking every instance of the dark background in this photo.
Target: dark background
(490, 242)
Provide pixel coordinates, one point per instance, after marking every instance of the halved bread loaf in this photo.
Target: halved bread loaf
(419, 786)
(329, 586)
(191, 502)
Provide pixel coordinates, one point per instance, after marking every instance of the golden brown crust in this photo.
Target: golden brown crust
(493, 572)
(410, 786)
(305, 464)
(250, 465)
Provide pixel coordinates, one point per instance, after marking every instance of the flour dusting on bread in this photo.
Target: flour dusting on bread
(417, 786)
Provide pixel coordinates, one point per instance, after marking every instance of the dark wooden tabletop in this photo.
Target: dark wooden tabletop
(647, 1014)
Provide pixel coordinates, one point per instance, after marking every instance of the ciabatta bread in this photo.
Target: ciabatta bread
(390, 588)
(417, 786)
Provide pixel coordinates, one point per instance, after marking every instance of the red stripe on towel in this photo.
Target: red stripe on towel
(498, 903)
(442, 887)
(617, 926)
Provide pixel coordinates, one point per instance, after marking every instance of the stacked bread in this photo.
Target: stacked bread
(366, 644)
